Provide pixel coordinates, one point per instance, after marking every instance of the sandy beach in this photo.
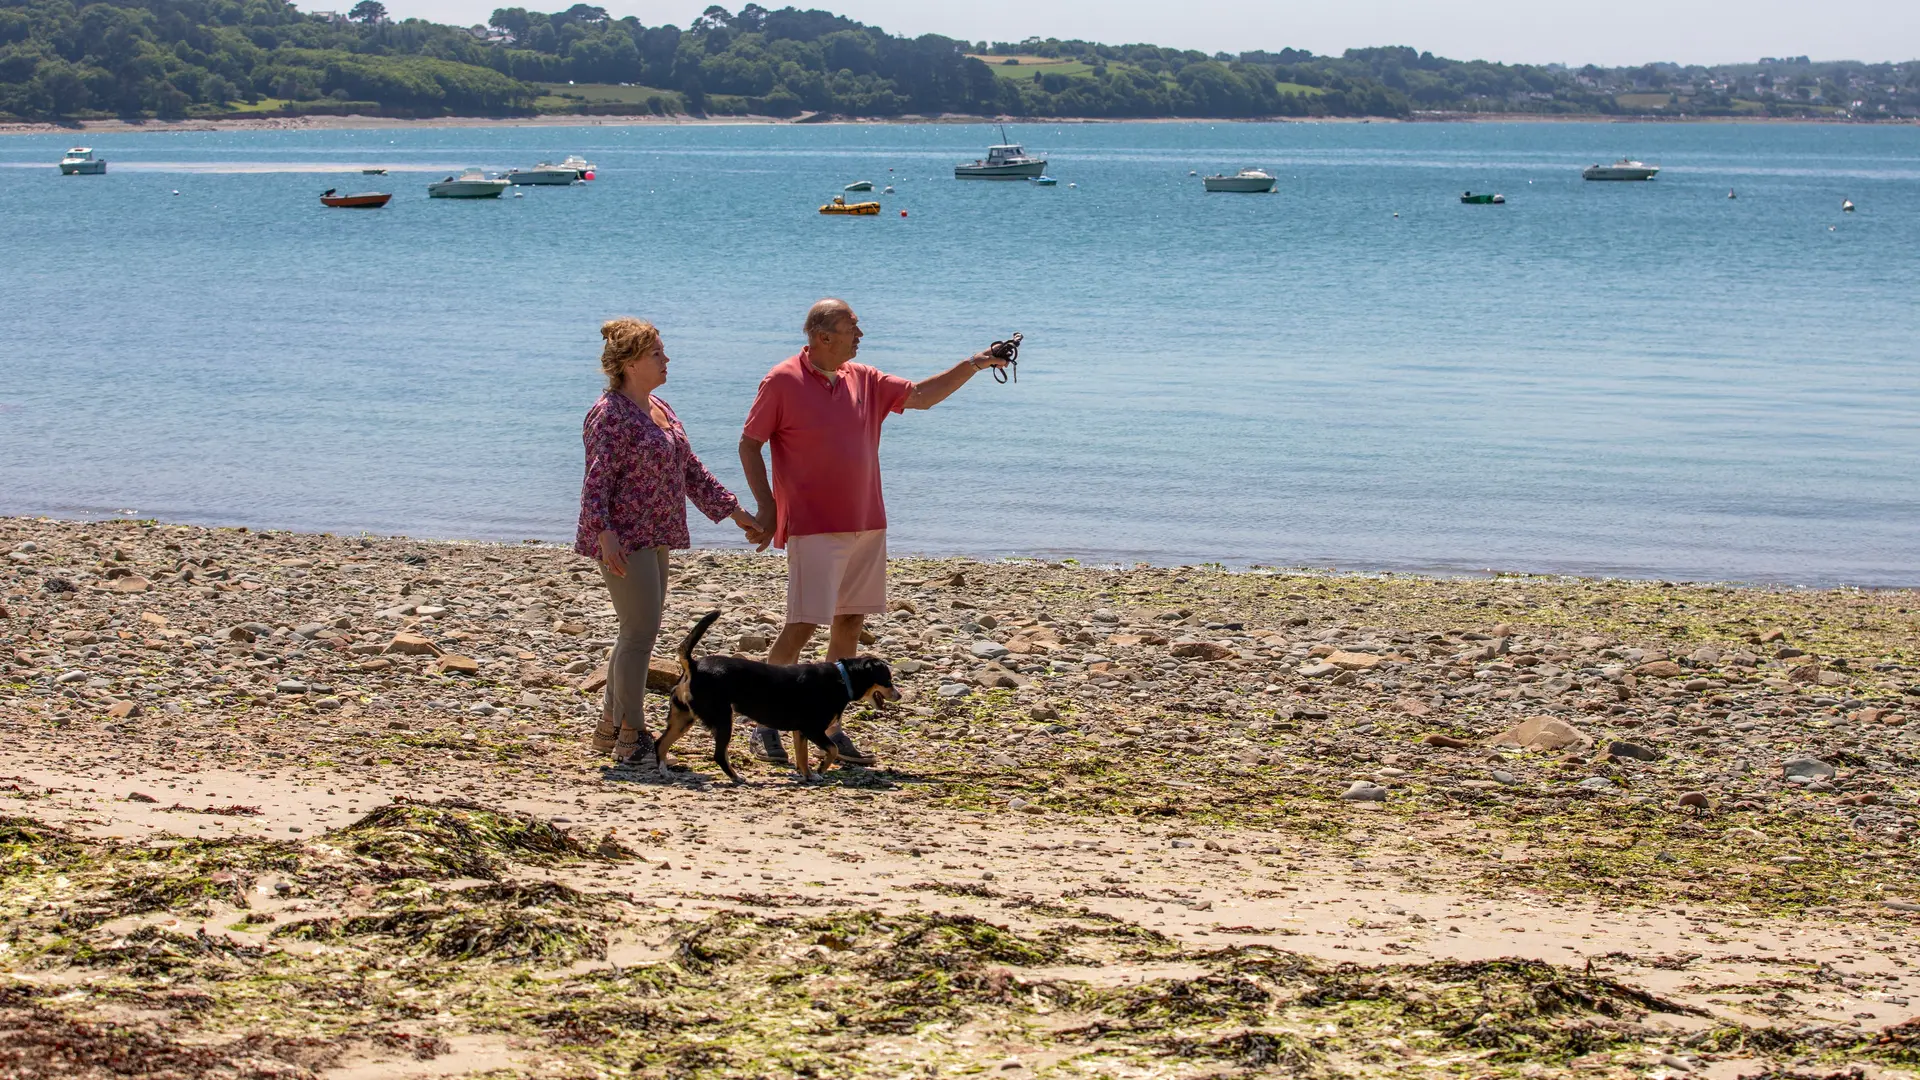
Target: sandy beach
(287, 805)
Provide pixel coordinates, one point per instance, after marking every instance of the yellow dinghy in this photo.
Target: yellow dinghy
(840, 205)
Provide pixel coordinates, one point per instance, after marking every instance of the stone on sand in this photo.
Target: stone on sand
(1542, 733)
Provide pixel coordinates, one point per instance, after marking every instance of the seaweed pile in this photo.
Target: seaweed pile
(451, 919)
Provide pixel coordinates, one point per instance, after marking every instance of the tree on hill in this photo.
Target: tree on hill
(138, 58)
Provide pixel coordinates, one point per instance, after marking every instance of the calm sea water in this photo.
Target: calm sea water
(1357, 371)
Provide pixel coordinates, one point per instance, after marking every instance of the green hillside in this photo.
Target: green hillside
(68, 59)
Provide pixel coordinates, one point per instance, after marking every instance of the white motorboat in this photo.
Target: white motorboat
(544, 173)
(472, 184)
(1246, 180)
(1624, 169)
(81, 162)
(581, 166)
(1008, 161)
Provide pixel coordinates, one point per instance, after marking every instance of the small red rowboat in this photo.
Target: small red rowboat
(368, 200)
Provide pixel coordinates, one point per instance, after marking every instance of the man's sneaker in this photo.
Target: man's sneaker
(765, 745)
(850, 753)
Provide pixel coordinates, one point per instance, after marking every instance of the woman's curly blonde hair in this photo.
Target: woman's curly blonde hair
(626, 337)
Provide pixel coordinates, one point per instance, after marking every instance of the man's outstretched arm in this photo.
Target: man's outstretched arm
(931, 392)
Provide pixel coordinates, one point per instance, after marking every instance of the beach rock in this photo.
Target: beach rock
(1693, 800)
(121, 710)
(1362, 791)
(455, 664)
(130, 584)
(1808, 769)
(751, 643)
(1317, 671)
(954, 690)
(1542, 733)
(1597, 783)
(1447, 741)
(412, 644)
(290, 686)
(1201, 650)
(70, 677)
(986, 649)
(1660, 669)
(1501, 776)
(1413, 707)
(1354, 661)
(1633, 750)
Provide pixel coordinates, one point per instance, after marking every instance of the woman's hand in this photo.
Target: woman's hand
(612, 555)
(749, 525)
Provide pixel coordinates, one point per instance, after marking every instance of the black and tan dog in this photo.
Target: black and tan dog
(802, 698)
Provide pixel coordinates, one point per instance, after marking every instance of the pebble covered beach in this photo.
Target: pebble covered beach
(285, 804)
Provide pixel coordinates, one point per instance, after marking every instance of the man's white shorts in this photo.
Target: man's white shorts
(830, 574)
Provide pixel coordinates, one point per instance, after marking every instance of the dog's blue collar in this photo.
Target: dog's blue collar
(841, 667)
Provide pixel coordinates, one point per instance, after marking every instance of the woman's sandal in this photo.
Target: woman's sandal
(606, 736)
(634, 750)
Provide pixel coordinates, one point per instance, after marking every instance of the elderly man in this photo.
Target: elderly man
(822, 412)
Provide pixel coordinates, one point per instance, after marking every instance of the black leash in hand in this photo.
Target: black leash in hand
(1008, 350)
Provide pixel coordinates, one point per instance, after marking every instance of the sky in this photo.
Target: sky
(1618, 32)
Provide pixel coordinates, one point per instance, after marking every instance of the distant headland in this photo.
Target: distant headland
(181, 61)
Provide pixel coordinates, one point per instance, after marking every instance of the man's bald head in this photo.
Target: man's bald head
(825, 316)
(833, 334)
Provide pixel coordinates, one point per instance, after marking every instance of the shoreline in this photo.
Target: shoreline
(1082, 560)
(370, 123)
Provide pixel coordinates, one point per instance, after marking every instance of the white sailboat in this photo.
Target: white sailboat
(1246, 180)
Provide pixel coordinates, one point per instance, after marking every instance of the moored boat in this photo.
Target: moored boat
(472, 184)
(1045, 181)
(859, 185)
(365, 200)
(1624, 169)
(1249, 181)
(581, 166)
(81, 162)
(544, 173)
(1481, 199)
(1008, 161)
(373, 172)
(842, 206)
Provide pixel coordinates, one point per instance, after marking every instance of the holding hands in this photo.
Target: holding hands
(758, 535)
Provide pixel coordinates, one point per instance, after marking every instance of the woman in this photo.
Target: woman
(633, 508)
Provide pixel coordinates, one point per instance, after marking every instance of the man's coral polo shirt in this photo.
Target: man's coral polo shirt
(825, 436)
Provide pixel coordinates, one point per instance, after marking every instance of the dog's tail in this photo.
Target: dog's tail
(692, 639)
